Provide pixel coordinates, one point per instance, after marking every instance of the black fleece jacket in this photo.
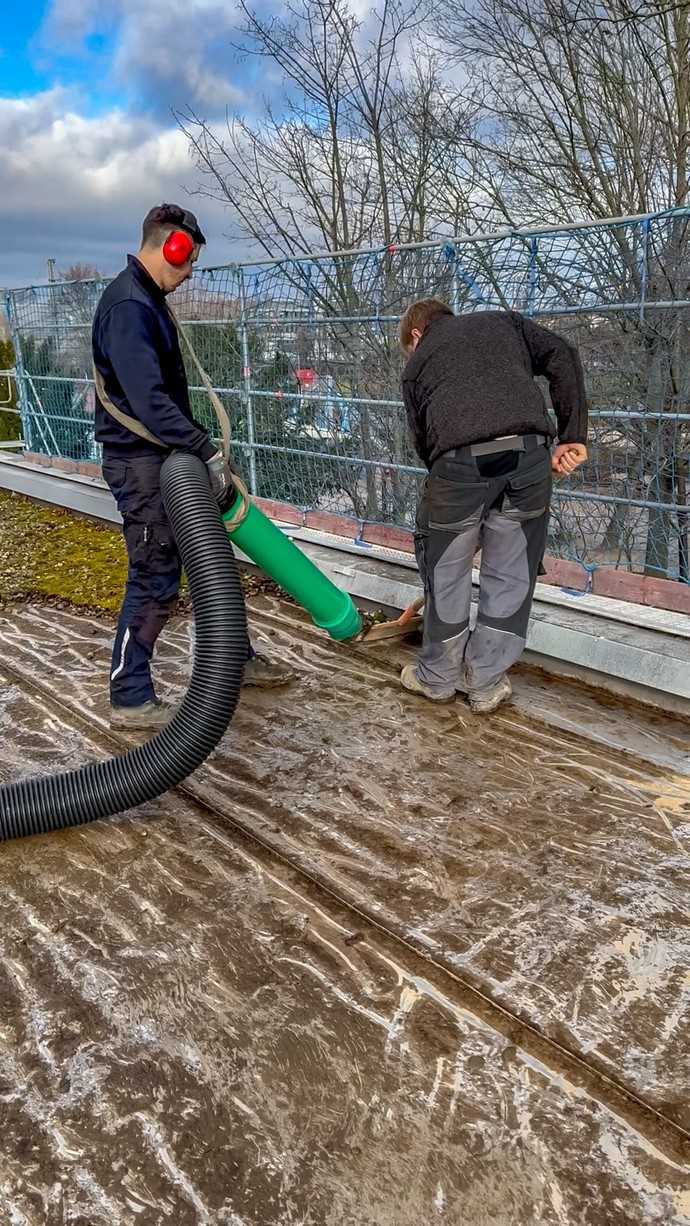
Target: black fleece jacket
(471, 379)
(136, 350)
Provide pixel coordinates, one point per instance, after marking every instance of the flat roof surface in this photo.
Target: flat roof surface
(377, 963)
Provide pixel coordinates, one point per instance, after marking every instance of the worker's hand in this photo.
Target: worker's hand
(220, 476)
(567, 457)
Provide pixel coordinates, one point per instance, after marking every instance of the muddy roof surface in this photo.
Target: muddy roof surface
(375, 964)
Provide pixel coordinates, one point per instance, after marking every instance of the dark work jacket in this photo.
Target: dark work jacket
(471, 379)
(137, 351)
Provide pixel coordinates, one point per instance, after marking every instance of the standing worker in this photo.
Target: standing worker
(480, 425)
(142, 414)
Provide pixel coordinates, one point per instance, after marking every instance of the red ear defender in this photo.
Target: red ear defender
(177, 248)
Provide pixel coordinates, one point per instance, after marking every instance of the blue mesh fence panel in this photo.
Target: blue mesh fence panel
(305, 355)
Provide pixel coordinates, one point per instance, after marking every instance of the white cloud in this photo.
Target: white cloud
(73, 20)
(168, 55)
(76, 188)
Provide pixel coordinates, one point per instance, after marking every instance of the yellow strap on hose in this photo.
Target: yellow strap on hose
(138, 428)
(245, 505)
(224, 423)
(124, 419)
(218, 406)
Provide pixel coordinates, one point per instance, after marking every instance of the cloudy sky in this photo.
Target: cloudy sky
(87, 139)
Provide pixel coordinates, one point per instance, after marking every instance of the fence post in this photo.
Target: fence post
(22, 393)
(644, 266)
(247, 398)
(533, 276)
(455, 294)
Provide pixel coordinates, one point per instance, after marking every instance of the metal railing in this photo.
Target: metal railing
(304, 353)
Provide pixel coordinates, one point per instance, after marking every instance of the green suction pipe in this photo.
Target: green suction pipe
(330, 608)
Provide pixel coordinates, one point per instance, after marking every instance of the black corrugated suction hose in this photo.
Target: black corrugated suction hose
(51, 802)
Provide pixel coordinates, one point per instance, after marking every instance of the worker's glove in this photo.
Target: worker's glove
(220, 476)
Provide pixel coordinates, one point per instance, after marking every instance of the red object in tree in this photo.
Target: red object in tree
(306, 375)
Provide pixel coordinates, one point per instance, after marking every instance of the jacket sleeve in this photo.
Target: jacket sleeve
(560, 365)
(129, 341)
(416, 420)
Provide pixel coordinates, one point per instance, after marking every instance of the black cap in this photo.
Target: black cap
(175, 215)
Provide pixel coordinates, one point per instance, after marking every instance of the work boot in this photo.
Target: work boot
(150, 715)
(268, 674)
(482, 702)
(410, 681)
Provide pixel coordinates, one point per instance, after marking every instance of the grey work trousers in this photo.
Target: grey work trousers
(499, 502)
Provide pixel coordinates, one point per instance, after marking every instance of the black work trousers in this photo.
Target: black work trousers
(153, 577)
(498, 502)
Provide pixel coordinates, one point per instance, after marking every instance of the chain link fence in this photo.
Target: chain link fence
(304, 353)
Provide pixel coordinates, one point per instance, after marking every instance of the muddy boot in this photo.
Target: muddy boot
(150, 715)
(410, 681)
(482, 702)
(266, 673)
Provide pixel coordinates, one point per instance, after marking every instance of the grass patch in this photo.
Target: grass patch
(47, 553)
(55, 557)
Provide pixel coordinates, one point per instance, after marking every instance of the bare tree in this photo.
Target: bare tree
(354, 153)
(581, 120)
(587, 115)
(80, 272)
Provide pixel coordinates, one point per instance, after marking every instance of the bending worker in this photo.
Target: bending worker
(142, 395)
(480, 425)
